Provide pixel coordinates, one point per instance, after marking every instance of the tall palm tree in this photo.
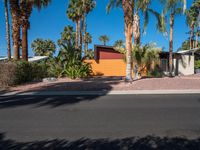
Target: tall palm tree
(104, 39)
(26, 8)
(132, 9)
(193, 21)
(15, 14)
(7, 29)
(88, 40)
(75, 12)
(173, 8)
(128, 9)
(141, 7)
(88, 6)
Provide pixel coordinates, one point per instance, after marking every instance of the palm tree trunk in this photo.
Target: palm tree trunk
(26, 9)
(77, 33)
(136, 28)
(185, 5)
(7, 29)
(128, 20)
(14, 9)
(25, 43)
(86, 46)
(191, 35)
(197, 42)
(81, 35)
(171, 45)
(84, 30)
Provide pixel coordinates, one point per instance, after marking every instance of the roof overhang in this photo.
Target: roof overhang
(194, 50)
(30, 59)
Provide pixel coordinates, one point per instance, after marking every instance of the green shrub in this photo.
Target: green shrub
(77, 71)
(197, 64)
(14, 73)
(155, 73)
(7, 76)
(68, 63)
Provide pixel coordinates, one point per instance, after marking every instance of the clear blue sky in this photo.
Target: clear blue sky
(49, 23)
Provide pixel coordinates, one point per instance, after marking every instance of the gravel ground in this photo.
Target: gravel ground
(108, 83)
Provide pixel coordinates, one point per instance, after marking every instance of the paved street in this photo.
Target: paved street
(30, 118)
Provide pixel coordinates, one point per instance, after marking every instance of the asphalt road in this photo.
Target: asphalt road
(31, 118)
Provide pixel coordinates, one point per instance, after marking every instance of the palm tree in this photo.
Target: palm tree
(88, 40)
(173, 7)
(128, 9)
(75, 12)
(43, 47)
(15, 14)
(192, 20)
(132, 9)
(68, 37)
(88, 6)
(7, 29)
(26, 10)
(119, 44)
(104, 39)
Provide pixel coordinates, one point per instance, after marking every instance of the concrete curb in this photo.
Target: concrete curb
(130, 92)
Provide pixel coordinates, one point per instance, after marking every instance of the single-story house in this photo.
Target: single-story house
(108, 62)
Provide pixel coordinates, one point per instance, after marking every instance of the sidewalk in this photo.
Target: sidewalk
(88, 93)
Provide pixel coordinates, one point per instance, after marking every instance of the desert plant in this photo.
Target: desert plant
(197, 64)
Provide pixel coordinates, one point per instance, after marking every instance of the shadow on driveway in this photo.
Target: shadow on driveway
(146, 143)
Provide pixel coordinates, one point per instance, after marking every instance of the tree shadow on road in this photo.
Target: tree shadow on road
(134, 143)
(53, 101)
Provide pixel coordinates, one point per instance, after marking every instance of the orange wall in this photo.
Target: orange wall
(108, 67)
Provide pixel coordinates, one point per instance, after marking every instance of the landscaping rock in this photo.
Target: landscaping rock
(51, 79)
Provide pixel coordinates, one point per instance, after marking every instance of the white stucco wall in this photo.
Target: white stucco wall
(185, 65)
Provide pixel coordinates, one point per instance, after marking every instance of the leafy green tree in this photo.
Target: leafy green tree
(104, 39)
(43, 47)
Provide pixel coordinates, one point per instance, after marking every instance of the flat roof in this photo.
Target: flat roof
(188, 51)
(30, 59)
